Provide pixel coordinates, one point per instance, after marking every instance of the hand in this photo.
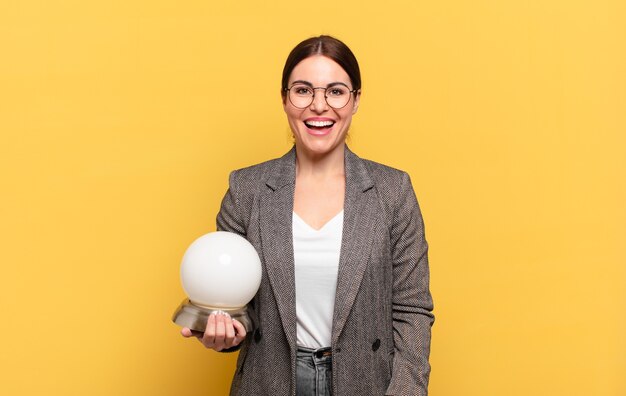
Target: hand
(222, 332)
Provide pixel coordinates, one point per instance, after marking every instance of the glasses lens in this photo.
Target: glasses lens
(337, 96)
(301, 95)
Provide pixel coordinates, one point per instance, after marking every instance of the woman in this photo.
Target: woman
(344, 306)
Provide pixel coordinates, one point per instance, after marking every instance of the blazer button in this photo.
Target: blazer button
(257, 335)
(376, 345)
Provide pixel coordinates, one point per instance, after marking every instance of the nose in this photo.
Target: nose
(319, 104)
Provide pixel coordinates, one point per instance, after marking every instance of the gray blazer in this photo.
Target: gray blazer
(382, 317)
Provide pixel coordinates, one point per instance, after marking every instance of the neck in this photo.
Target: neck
(323, 165)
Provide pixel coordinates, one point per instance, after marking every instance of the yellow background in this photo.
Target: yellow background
(120, 121)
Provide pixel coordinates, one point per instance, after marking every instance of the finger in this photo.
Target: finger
(229, 337)
(220, 330)
(186, 332)
(240, 332)
(208, 339)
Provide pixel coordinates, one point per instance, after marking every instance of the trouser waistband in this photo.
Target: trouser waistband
(318, 353)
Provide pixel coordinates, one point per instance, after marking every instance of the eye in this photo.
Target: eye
(337, 91)
(302, 90)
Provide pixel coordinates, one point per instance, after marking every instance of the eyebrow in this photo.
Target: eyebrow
(332, 84)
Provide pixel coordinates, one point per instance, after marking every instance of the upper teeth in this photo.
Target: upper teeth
(319, 123)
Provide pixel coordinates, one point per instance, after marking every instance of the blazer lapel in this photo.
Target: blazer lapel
(275, 216)
(360, 217)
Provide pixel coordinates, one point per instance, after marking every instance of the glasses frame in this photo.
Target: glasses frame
(288, 91)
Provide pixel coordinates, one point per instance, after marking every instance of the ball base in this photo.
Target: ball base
(195, 316)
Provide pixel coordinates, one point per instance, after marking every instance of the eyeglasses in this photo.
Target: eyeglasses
(337, 95)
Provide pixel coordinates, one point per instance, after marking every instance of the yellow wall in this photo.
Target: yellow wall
(120, 121)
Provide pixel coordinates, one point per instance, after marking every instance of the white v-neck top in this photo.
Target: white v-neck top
(316, 258)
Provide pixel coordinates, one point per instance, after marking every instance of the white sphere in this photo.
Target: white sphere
(221, 270)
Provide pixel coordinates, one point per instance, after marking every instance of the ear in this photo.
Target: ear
(357, 100)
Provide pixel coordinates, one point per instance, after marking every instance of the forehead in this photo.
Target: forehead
(320, 71)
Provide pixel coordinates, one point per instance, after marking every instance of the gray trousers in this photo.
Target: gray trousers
(314, 376)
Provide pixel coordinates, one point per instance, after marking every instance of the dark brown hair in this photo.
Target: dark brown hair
(329, 47)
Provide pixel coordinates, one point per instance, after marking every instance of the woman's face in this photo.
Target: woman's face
(320, 129)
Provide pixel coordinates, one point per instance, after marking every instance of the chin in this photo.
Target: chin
(320, 148)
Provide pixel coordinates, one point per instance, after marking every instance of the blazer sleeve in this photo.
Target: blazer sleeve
(229, 219)
(411, 300)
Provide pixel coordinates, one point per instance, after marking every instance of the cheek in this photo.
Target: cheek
(288, 110)
(346, 114)
(293, 116)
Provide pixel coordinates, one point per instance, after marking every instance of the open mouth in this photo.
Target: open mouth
(319, 125)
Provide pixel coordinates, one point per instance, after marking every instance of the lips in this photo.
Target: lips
(318, 124)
